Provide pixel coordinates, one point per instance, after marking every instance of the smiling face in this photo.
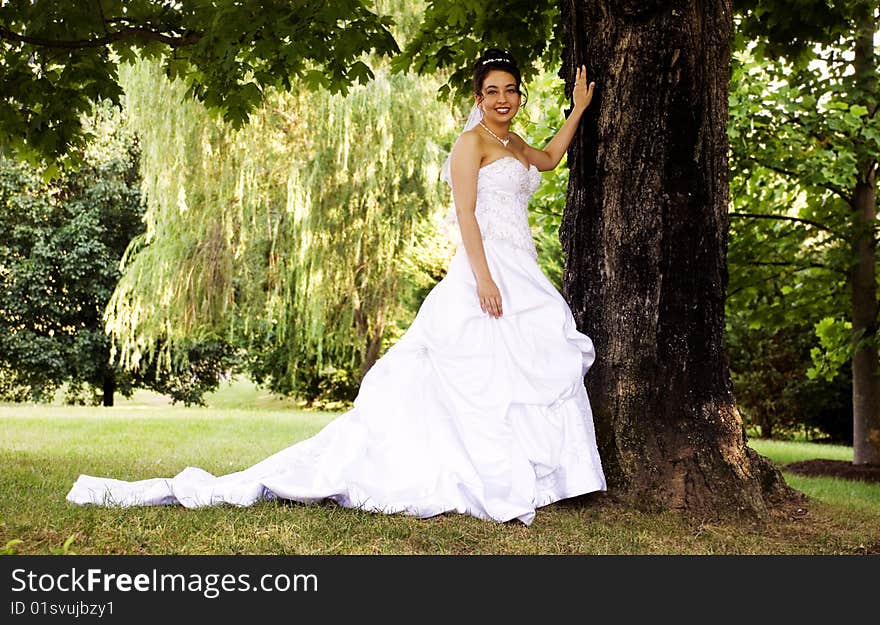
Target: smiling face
(499, 98)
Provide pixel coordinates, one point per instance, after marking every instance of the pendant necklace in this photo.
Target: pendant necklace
(504, 142)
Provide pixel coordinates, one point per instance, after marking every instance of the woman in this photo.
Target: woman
(480, 408)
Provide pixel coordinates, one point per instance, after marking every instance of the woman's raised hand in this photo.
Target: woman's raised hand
(581, 94)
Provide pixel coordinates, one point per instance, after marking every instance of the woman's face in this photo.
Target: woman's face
(499, 98)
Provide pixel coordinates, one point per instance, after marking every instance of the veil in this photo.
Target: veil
(474, 118)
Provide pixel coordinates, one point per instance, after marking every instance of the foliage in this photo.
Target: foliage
(286, 236)
(453, 33)
(835, 348)
(421, 269)
(65, 548)
(59, 58)
(773, 390)
(11, 547)
(538, 121)
(59, 250)
(790, 28)
(801, 135)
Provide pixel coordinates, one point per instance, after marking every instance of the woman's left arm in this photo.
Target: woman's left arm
(549, 157)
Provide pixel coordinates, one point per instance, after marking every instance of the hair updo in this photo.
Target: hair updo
(492, 59)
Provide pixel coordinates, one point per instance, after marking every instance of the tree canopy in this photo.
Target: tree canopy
(57, 58)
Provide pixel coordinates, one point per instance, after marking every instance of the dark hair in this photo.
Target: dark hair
(495, 58)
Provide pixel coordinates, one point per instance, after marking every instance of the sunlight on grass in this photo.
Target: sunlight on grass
(170, 438)
(785, 452)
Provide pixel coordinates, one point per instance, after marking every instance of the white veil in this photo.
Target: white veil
(474, 118)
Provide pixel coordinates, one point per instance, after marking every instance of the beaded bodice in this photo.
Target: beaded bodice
(504, 187)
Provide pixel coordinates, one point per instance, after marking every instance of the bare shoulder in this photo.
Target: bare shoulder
(469, 141)
(469, 146)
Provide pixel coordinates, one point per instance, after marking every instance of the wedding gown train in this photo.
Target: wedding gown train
(465, 413)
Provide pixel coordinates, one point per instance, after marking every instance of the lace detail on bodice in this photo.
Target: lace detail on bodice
(504, 187)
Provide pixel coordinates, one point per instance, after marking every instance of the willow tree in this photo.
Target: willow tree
(287, 236)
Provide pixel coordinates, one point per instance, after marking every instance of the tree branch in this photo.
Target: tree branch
(128, 33)
(793, 267)
(103, 17)
(793, 174)
(743, 287)
(808, 222)
(833, 188)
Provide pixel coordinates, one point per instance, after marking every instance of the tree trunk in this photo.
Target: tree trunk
(863, 280)
(372, 337)
(109, 387)
(645, 238)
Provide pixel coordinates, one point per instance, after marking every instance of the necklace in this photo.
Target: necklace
(504, 142)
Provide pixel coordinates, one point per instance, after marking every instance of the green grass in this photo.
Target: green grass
(43, 448)
(786, 452)
(845, 495)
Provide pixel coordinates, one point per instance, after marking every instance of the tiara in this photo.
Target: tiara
(496, 61)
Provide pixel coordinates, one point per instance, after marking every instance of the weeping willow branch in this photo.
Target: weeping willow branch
(293, 230)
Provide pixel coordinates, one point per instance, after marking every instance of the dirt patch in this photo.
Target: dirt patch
(836, 468)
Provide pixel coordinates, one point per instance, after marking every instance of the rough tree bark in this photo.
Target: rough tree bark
(863, 280)
(645, 238)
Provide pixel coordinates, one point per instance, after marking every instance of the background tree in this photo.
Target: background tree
(805, 118)
(774, 392)
(60, 246)
(788, 273)
(288, 237)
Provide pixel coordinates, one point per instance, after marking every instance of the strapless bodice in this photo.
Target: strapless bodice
(504, 187)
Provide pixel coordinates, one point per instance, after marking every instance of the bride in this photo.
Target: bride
(480, 408)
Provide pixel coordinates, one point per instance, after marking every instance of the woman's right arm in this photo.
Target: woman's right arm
(463, 168)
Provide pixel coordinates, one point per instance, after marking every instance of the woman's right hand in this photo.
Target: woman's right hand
(490, 297)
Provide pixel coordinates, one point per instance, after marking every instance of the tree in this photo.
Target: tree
(290, 237)
(788, 261)
(811, 119)
(773, 390)
(60, 247)
(59, 250)
(645, 262)
(58, 58)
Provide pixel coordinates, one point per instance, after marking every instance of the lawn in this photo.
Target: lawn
(44, 447)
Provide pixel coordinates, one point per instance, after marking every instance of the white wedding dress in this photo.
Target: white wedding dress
(465, 413)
